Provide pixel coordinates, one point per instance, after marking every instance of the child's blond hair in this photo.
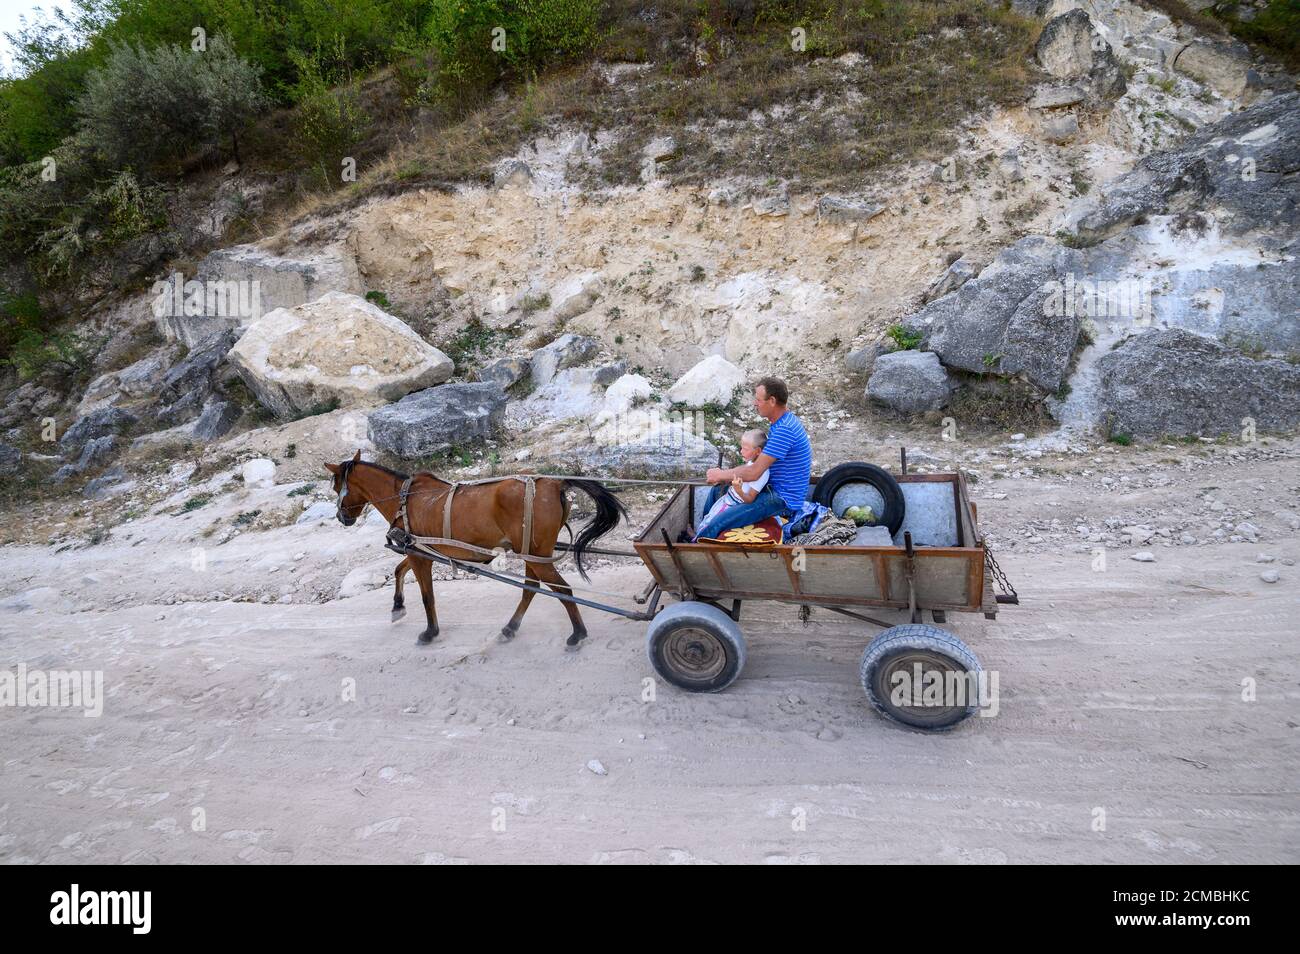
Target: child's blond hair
(757, 437)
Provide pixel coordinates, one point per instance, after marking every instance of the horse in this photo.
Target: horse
(488, 515)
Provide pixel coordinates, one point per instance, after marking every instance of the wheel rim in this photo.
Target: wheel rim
(905, 662)
(694, 654)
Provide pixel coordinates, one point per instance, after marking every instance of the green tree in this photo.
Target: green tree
(147, 106)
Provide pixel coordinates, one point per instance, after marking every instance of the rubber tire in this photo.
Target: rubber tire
(857, 472)
(724, 631)
(900, 640)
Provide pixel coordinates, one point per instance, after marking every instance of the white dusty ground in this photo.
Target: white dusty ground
(1120, 690)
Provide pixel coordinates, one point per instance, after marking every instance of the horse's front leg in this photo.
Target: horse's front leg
(424, 576)
(399, 599)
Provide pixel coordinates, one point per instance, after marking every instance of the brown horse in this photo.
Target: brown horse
(487, 515)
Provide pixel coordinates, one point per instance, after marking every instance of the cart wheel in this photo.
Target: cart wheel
(889, 676)
(696, 647)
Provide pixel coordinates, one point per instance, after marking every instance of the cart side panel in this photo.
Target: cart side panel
(756, 569)
(843, 572)
(945, 578)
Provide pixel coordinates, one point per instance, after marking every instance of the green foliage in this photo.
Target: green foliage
(380, 299)
(479, 42)
(903, 339)
(195, 502)
(1276, 28)
(34, 352)
(330, 121)
(1124, 440)
(191, 100)
(110, 214)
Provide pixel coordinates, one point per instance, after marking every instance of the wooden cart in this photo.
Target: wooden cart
(697, 644)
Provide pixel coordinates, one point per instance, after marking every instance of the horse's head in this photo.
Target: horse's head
(350, 501)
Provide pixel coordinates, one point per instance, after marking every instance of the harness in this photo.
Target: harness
(409, 539)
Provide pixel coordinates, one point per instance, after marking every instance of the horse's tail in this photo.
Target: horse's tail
(608, 511)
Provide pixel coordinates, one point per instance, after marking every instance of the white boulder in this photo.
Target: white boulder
(713, 381)
(337, 349)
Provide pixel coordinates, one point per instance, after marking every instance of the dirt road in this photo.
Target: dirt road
(309, 732)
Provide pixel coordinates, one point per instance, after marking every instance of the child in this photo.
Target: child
(751, 444)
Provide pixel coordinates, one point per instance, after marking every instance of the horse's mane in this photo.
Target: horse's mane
(387, 470)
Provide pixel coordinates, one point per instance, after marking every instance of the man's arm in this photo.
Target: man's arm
(750, 471)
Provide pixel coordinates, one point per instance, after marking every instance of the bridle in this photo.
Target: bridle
(344, 472)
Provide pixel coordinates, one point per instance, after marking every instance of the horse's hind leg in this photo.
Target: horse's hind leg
(399, 600)
(551, 575)
(424, 576)
(511, 629)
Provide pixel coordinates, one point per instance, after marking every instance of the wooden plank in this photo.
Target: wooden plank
(794, 574)
(717, 568)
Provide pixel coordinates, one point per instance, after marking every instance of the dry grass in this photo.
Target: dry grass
(924, 66)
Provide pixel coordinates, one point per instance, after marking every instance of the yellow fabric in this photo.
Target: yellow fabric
(751, 536)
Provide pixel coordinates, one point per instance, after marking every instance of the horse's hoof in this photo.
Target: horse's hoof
(425, 638)
(507, 634)
(399, 614)
(574, 642)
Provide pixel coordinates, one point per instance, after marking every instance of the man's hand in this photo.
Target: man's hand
(717, 475)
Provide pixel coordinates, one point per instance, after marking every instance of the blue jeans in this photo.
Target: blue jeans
(766, 504)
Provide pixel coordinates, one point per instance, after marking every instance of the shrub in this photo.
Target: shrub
(330, 121)
(904, 339)
(191, 99)
(530, 35)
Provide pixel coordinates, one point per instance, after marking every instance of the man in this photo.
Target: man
(787, 457)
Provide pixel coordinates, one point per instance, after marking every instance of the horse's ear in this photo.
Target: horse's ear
(332, 468)
(357, 457)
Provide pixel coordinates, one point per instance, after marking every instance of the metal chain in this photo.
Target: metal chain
(999, 578)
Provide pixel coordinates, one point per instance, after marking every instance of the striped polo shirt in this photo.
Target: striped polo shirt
(787, 442)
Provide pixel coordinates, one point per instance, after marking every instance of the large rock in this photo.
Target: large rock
(1003, 321)
(564, 352)
(1237, 167)
(503, 372)
(193, 374)
(430, 421)
(238, 285)
(713, 381)
(1221, 64)
(909, 381)
(137, 380)
(1070, 49)
(107, 484)
(1171, 381)
(216, 420)
(660, 456)
(337, 349)
(94, 453)
(101, 423)
(955, 275)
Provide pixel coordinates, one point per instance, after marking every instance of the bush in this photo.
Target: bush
(532, 34)
(191, 100)
(35, 352)
(330, 122)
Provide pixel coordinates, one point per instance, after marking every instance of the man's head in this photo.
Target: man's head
(770, 397)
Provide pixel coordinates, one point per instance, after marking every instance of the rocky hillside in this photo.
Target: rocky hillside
(1112, 254)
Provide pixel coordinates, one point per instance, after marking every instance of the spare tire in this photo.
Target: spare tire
(856, 472)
